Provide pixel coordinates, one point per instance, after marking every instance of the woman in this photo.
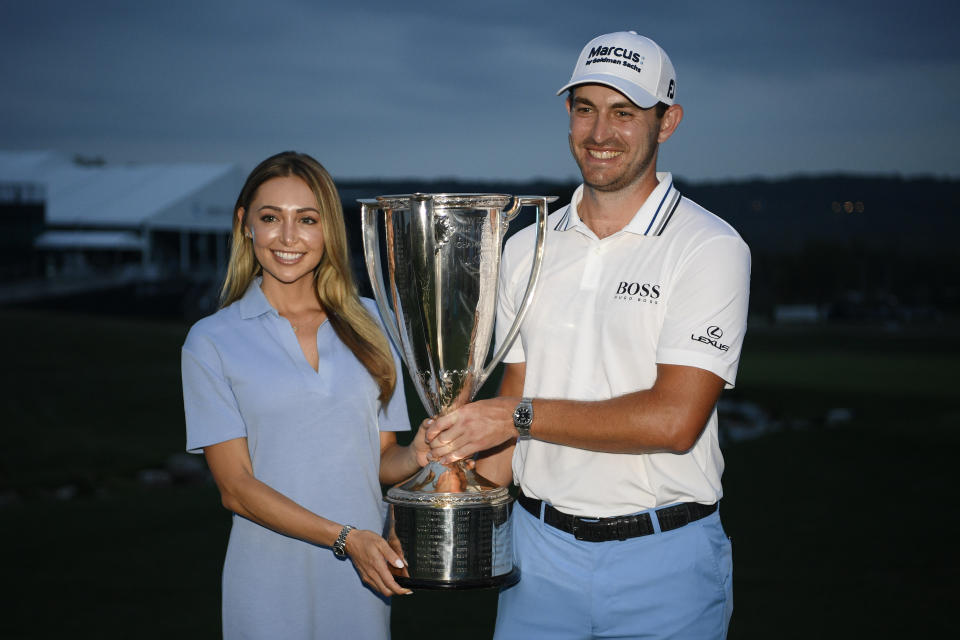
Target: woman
(291, 392)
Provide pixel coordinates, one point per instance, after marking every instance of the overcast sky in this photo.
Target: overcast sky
(467, 89)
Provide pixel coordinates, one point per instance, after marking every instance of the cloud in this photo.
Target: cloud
(467, 89)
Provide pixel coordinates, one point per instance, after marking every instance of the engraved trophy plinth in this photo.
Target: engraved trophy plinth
(443, 264)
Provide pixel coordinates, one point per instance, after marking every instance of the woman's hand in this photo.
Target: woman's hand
(421, 449)
(399, 463)
(376, 561)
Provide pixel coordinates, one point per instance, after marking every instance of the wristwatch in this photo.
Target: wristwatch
(338, 549)
(523, 418)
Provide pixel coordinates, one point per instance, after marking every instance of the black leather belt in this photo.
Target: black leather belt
(621, 527)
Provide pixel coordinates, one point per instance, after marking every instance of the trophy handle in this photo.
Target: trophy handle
(371, 252)
(509, 214)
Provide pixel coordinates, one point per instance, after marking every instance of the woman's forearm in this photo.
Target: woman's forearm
(242, 493)
(399, 463)
(256, 501)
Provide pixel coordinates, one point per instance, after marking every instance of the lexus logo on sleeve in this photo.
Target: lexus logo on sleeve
(712, 337)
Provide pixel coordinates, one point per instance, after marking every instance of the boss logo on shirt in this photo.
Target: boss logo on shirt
(712, 338)
(638, 292)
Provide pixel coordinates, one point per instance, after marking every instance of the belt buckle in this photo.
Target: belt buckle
(583, 530)
(576, 529)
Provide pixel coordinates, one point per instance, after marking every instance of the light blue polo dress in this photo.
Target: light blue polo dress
(314, 437)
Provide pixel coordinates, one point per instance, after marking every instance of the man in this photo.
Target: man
(609, 394)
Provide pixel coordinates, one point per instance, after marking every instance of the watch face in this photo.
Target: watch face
(523, 416)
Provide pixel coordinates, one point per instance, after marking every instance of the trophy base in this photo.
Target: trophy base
(501, 582)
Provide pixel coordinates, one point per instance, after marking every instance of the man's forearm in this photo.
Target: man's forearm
(668, 417)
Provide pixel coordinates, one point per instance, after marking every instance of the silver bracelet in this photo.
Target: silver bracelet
(338, 546)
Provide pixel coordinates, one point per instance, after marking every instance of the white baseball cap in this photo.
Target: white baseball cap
(633, 65)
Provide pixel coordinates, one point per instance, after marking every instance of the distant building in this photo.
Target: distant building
(798, 314)
(86, 225)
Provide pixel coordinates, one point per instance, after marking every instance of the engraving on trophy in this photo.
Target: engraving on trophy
(442, 230)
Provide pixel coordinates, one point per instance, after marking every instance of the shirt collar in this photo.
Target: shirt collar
(649, 220)
(254, 303)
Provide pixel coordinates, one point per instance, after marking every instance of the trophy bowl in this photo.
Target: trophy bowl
(443, 265)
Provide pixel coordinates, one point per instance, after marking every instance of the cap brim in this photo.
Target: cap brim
(635, 94)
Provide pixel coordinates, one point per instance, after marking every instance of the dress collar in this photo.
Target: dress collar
(254, 303)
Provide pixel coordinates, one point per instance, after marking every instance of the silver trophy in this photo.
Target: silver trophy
(443, 262)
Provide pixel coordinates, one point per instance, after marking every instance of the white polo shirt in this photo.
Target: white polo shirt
(671, 287)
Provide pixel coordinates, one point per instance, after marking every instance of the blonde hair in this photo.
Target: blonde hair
(336, 290)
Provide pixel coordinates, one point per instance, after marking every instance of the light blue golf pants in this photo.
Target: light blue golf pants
(674, 584)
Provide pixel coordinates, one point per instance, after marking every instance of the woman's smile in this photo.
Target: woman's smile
(288, 257)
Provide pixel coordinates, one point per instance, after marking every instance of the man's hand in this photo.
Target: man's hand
(474, 427)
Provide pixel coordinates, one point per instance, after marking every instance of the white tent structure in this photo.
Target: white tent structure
(144, 222)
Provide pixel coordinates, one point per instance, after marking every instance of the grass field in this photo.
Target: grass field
(842, 531)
